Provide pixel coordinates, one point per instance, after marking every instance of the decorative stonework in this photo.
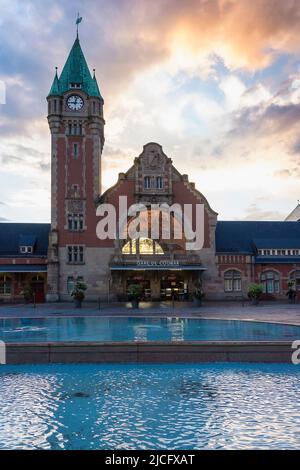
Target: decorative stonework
(153, 159)
(75, 206)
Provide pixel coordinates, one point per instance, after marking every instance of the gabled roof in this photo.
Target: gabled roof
(242, 236)
(75, 70)
(12, 236)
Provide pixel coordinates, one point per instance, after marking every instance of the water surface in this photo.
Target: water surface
(220, 406)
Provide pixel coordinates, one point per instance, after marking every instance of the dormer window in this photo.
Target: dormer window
(26, 250)
(75, 85)
(27, 244)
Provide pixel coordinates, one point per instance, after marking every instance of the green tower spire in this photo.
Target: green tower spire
(55, 86)
(75, 71)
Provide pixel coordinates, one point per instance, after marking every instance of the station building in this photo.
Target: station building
(49, 258)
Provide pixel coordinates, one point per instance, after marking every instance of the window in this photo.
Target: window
(75, 150)
(232, 281)
(153, 182)
(75, 254)
(75, 191)
(75, 85)
(74, 128)
(270, 282)
(5, 284)
(70, 284)
(144, 246)
(279, 252)
(159, 182)
(26, 249)
(75, 222)
(147, 182)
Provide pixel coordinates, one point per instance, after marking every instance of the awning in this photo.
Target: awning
(157, 267)
(23, 268)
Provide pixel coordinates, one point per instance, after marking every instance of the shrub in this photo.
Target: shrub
(135, 291)
(255, 291)
(27, 293)
(78, 291)
(198, 291)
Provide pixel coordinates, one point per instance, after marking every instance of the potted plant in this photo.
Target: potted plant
(198, 295)
(27, 293)
(255, 292)
(291, 293)
(78, 293)
(135, 292)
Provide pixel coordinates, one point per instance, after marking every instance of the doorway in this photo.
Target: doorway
(174, 286)
(38, 289)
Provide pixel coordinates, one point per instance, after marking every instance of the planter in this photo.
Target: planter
(78, 303)
(255, 301)
(135, 303)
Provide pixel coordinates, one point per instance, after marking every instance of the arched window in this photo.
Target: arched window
(270, 282)
(295, 275)
(5, 284)
(144, 246)
(232, 281)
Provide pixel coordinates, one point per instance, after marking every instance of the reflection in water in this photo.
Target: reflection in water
(141, 329)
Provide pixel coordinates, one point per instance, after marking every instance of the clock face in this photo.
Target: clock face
(75, 102)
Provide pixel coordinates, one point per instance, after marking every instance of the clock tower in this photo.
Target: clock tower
(75, 117)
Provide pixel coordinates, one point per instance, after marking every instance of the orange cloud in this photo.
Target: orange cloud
(246, 34)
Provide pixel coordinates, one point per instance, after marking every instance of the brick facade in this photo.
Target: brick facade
(225, 272)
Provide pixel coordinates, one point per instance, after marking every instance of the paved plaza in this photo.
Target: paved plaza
(265, 311)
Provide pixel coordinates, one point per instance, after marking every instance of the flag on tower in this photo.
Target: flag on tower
(79, 19)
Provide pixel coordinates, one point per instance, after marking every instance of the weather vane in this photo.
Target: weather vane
(78, 21)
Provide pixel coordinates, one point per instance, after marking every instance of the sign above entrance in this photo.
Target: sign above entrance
(158, 263)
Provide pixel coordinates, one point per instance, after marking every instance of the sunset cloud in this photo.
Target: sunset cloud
(216, 82)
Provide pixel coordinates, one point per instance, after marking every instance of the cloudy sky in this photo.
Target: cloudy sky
(216, 82)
